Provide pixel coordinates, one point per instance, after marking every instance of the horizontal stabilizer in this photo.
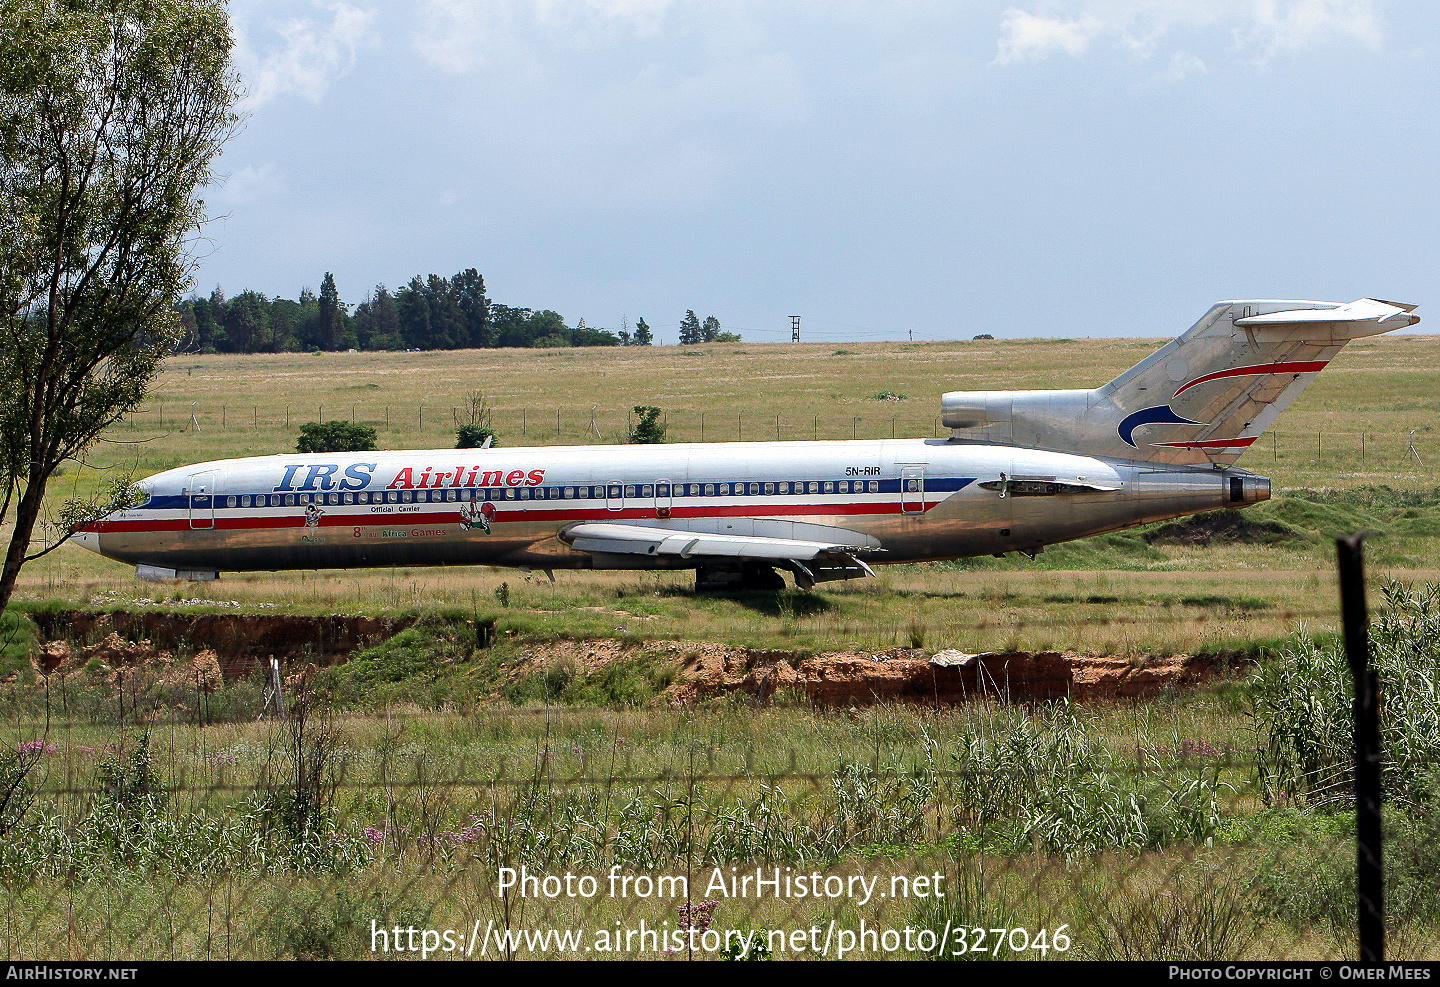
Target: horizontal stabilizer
(1384, 315)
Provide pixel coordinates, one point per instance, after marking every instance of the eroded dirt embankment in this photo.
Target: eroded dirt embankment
(846, 678)
(240, 640)
(898, 675)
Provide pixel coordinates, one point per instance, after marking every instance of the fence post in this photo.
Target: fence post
(1369, 869)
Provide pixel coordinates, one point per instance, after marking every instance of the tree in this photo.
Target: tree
(690, 331)
(110, 114)
(643, 336)
(468, 287)
(472, 434)
(711, 329)
(331, 314)
(335, 436)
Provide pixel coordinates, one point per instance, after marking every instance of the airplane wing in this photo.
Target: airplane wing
(833, 559)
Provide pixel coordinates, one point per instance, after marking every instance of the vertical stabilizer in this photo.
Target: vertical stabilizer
(1202, 398)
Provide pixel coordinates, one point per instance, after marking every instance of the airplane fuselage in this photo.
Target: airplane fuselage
(890, 501)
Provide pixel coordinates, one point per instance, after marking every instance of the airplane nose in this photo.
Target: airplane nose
(87, 539)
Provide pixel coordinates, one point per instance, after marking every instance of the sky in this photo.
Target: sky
(885, 170)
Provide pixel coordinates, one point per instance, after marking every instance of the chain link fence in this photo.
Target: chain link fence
(996, 832)
(879, 419)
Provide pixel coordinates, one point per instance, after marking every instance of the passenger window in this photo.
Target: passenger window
(614, 491)
(912, 485)
(629, 490)
(662, 489)
(769, 488)
(709, 489)
(289, 500)
(648, 490)
(813, 488)
(829, 486)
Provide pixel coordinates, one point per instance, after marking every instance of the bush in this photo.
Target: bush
(336, 436)
(648, 429)
(473, 436)
(1301, 707)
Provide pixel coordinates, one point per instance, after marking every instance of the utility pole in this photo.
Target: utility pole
(794, 328)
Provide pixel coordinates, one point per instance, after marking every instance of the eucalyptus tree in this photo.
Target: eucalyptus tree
(111, 112)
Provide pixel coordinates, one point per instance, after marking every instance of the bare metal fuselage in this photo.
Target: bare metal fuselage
(890, 501)
(1021, 470)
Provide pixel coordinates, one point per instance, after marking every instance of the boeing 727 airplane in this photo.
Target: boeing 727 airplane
(1020, 470)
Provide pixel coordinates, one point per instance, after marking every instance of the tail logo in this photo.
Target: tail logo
(1161, 414)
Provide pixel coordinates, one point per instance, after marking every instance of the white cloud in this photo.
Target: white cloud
(245, 185)
(458, 36)
(1261, 29)
(1182, 65)
(1030, 37)
(1284, 27)
(311, 54)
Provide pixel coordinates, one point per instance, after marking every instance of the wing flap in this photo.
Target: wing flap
(634, 539)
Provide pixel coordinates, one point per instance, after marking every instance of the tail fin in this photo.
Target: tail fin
(1204, 397)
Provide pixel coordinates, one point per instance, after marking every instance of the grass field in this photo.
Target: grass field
(1115, 594)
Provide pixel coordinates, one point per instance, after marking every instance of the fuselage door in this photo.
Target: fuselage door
(615, 495)
(662, 498)
(201, 491)
(912, 489)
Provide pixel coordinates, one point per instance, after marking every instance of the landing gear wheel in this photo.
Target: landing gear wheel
(761, 578)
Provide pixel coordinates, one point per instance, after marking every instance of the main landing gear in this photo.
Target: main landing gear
(737, 577)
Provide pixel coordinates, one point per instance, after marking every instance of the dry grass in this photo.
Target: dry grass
(1382, 387)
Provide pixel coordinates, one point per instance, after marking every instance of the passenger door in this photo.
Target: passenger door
(201, 491)
(912, 489)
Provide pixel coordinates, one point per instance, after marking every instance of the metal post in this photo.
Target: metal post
(1369, 870)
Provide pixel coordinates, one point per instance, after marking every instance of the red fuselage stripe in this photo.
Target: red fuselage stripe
(222, 523)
